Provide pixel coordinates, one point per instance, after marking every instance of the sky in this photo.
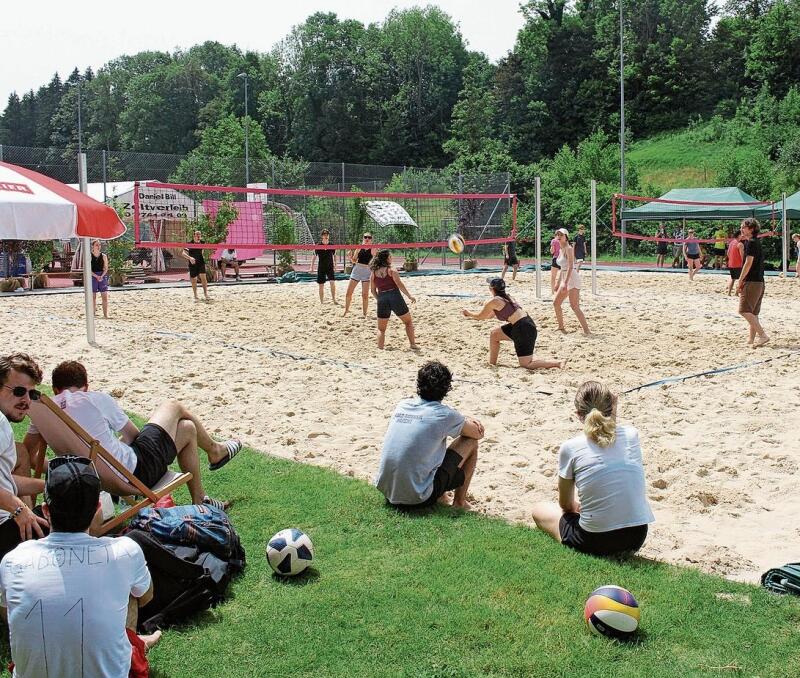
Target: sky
(42, 37)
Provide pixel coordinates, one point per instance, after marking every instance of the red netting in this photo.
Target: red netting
(260, 219)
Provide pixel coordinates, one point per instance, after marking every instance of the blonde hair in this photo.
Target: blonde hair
(595, 404)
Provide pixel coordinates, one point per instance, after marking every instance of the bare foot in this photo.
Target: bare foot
(563, 363)
(415, 347)
(446, 499)
(151, 640)
(562, 330)
(463, 505)
(761, 341)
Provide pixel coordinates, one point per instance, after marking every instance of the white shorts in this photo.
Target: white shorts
(574, 282)
(360, 272)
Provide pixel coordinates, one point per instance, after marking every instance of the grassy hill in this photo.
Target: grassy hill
(682, 159)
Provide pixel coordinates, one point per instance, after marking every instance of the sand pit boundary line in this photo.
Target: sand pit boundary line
(719, 370)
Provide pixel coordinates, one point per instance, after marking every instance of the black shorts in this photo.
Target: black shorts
(735, 273)
(692, 256)
(523, 333)
(9, 533)
(554, 264)
(720, 252)
(448, 477)
(155, 450)
(198, 267)
(325, 273)
(391, 301)
(599, 543)
(661, 248)
(511, 261)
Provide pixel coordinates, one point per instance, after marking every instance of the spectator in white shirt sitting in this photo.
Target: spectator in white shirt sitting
(19, 375)
(228, 258)
(604, 464)
(172, 432)
(71, 599)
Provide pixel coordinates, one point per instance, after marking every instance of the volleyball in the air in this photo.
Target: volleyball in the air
(290, 552)
(612, 611)
(456, 243)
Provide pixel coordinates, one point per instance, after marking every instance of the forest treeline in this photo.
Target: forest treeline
(409, 91)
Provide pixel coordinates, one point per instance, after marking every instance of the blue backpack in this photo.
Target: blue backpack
(206, 527)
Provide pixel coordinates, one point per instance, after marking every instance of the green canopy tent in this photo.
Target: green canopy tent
(792, 208)
(699, 204)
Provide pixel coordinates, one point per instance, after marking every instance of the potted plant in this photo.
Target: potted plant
(118, 253)
(470, 264)
(41, 254)
(9, 285)
(411, 263)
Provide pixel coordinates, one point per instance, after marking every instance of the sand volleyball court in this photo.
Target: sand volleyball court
(294, 379)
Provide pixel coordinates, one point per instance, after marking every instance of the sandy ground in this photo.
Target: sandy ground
(294, 379)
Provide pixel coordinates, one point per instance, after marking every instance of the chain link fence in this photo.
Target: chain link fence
(107, 169)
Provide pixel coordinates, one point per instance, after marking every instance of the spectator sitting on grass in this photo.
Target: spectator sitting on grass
(19, 375)
(173, 431)
(417, 466)
(68, 595)
(605, 466)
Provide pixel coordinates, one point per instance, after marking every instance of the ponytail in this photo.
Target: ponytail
(595, 404)
(600, 429)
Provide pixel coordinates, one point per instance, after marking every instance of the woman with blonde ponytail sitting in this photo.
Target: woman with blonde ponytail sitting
(604, 464)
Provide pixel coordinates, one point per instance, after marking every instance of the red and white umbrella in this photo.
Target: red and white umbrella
(36, 207)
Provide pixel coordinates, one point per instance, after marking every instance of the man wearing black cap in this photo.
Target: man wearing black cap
(68, 594)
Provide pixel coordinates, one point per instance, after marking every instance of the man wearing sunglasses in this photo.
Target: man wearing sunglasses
(72, 599)
(19, 375)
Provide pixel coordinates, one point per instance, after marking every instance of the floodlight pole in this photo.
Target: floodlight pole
(80, 130)
(246, 133)
(87, 260)
(538, 238)
(622, 122)
(593, 235)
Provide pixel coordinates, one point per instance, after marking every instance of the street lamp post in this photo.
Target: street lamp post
(246, 133)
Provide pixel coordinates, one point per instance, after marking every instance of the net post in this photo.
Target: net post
(538, 238)
(87, 259)
(593, 235)
(784, 238)
(136, 234)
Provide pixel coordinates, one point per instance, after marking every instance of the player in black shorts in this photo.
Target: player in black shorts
(197, 265)
(325, 267)
(510, 259)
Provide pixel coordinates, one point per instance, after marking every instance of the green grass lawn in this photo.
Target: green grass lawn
(446, 594)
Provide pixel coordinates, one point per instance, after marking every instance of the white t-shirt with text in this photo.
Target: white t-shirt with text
(8, 460)
(101, 417)
(67, 599)
(609, 480)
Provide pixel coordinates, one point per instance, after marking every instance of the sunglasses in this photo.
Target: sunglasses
(367, 237)
(20, 391)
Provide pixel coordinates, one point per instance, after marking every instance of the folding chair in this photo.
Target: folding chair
(65, 436)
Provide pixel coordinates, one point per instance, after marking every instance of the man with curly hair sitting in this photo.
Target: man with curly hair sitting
(418, 468)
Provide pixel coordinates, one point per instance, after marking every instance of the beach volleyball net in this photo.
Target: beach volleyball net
(257, 219)
(645, 223)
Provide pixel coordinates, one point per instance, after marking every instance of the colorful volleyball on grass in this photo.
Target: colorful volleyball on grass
(612, 611)
(289, 552)
(456, 243)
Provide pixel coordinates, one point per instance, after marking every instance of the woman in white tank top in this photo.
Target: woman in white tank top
(569, 283)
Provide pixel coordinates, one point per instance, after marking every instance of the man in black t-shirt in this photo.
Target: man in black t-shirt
(325, 267)
(751, 282)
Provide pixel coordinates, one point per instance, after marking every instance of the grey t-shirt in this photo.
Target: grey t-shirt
(414, 447)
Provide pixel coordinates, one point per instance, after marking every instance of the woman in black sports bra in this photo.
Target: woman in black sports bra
(519, 328)
(360, 259)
